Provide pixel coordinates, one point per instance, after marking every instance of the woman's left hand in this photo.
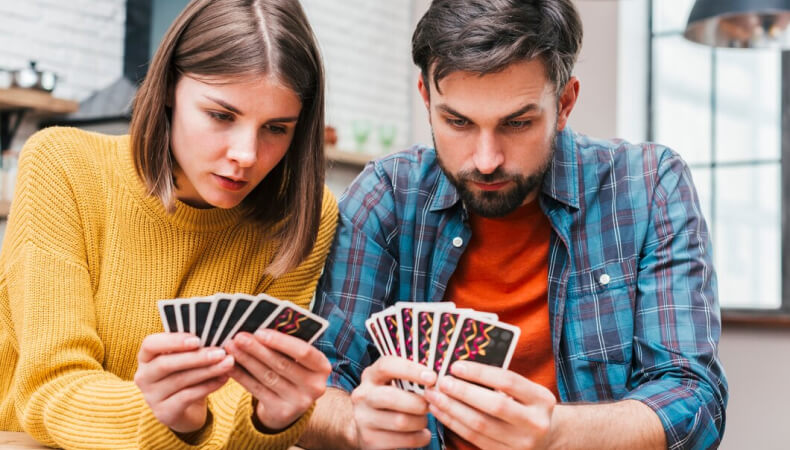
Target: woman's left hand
(285, 374)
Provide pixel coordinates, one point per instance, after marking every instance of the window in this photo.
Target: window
(721, 109)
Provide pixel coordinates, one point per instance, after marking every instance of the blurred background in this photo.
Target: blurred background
(722, 109)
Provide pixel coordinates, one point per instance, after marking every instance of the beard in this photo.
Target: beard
(503, 201)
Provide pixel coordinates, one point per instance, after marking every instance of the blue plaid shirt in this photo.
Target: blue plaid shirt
(630, 212)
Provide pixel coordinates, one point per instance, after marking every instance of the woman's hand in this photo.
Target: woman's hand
(285, 374)
(175, 377)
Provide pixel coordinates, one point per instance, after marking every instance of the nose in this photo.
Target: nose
(244, 149)
(488, 153)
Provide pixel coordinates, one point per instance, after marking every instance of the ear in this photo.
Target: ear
(424, 93)
(567, 101)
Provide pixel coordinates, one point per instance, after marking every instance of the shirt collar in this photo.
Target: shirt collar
(560, 183)
(445, 195)
(562, 180)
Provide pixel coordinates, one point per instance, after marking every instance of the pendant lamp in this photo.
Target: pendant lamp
(740, 23)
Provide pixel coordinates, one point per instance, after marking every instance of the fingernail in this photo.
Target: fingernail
(428, 376)
(227, 362)
(243, 339)
(192, 342)
(265, 335)
(216, 354)
(446, 383)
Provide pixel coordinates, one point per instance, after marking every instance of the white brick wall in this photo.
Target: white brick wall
(81, 40)
(365, 44)
(366, 47)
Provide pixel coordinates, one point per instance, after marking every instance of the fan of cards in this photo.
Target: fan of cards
(218, 318)
(439, 334)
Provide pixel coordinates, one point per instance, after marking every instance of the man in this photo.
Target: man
(597, 250)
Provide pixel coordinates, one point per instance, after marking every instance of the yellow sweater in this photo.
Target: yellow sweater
(85, 257)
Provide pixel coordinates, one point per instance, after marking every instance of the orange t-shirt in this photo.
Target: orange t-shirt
(504, 270)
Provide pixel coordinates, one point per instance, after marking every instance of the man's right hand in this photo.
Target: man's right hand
(387, 417)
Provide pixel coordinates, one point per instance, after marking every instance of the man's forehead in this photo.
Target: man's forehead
(532, 68)
(513, 91)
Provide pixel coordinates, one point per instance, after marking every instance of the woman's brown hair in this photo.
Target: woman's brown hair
(236, 39)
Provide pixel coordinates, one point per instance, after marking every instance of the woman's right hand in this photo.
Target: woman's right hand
(175, 376)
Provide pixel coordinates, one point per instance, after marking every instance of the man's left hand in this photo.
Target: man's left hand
(516, 414)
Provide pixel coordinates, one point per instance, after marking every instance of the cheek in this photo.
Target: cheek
(272, 153)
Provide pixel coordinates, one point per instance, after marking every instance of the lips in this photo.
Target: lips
(490, 186)
(230, 184)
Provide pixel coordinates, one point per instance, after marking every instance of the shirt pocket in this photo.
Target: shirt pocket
(599, 310)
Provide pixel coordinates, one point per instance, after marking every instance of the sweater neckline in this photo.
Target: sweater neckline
(185, 216)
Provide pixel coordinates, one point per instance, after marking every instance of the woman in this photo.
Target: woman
(218, 188)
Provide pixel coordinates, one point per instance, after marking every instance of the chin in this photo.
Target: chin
(224, 202)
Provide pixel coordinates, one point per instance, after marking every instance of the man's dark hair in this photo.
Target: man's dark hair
(486, 36)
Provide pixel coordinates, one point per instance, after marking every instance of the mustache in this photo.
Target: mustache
(497, 176)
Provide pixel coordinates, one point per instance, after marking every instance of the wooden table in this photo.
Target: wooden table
(16, 102)
(10, 440)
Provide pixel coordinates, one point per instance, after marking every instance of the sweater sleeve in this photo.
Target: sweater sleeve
(299, 284)
(62, 395)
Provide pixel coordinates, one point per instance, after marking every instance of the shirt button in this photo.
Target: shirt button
(458, 242)
(604, 279)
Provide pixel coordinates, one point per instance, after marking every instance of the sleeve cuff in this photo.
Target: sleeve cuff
(685, 415)
(155, 435)
(247, 436)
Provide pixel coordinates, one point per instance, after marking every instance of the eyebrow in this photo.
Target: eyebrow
(225, 105)
(235, 110)
(523, 110)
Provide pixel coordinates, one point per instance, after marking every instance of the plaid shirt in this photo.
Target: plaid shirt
(631, 288)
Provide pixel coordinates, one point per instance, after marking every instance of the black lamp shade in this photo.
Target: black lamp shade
(740, 23)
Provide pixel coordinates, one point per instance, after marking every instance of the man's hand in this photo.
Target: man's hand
(518, 416)
(175, 377)
(285, 374)
(388, 417)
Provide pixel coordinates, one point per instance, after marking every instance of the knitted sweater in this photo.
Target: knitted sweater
(85, 257)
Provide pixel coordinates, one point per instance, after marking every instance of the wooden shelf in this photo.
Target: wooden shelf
(359, 159)
(37, 101)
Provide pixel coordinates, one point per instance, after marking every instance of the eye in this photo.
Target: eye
(457, 123)
(518, 124)
(220, 116)
(277, 129)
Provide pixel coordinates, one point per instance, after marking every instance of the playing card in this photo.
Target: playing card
(202, 315)
(185, 315)
(373, 324)
(299, 322)
(389, 321)
(423, 332)
(446, 322)
(263, 310)
(167, 312)
(240, 306)
(423, 329)
(405, 311)
(482, 340)
(445, 329)
(217, 318)
(375, 335)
